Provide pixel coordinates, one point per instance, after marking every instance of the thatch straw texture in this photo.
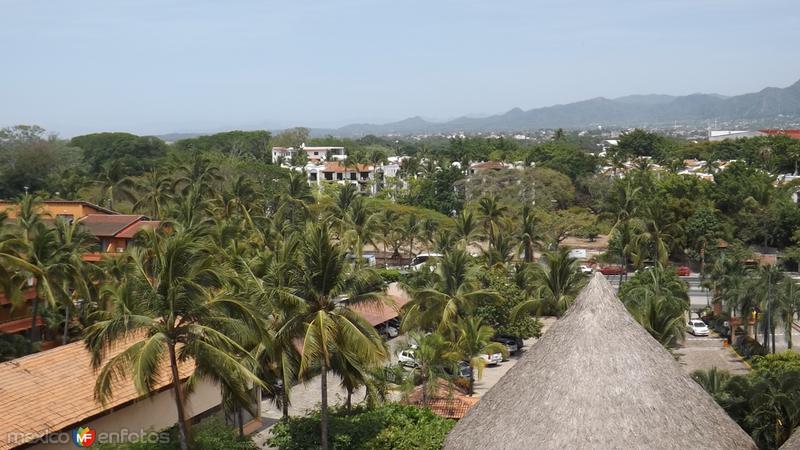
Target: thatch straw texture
(793, 443)
(597, 380)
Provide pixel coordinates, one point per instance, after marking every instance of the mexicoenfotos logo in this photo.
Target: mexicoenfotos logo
(83, 436)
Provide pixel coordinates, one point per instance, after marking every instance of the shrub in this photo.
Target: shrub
(389, 275)
(392, 426)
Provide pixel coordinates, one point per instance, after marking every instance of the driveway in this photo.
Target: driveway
(706, 352)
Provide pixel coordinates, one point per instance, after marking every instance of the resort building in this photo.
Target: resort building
(597, 380)
(313, 154)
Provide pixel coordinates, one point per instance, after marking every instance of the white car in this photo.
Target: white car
(388, 331)
(586, 269)
(698, 328)
(493, 359)
(419, 261)
(406, 358)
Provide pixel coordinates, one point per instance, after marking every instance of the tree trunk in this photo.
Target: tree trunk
(179, 403)
(323, 416)
(34, 334)
(349, 403)
(424, 393)
(471, 383)
(240, 420)
(66, 326)
(285, 403)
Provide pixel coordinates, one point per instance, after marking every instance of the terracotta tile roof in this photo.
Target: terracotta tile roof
(108, 226)
(377, 314)
(54, 390)
(447, 403)
(794, 134)
(15, 326)
(130, 231)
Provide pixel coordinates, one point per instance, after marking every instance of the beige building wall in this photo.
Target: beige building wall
(151, 414)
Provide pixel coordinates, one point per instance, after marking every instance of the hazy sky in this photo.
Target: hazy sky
(154, 66)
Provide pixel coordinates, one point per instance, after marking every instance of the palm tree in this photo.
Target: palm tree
(455, 293)
(358, 227)
(346, 196)
(528, 234)
(553, 285)
(653, 237)
(12, 249)
(412, 230)
(787, 305)
(113, 184)
(713, 380)
(328, 287)
(174, 303)
(75, 242)
(433, 355)
(473, 339)
(154, 191)
(492, 213)
(658, 300)
(466, 227)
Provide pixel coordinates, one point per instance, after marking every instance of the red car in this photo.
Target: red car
(611, 270)
(683, 271)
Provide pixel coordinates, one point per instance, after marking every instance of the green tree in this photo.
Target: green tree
(658, 300)
(473, 338)
(328, 287)
(553, 285)
(174, 303)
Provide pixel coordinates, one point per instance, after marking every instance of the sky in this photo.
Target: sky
(159, 66)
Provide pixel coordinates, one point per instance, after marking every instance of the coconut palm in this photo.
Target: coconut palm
(466, 228)
(454, 293)
(787, 305)
(653, 237)
(554, 284)
(358, 227)
(75, 242)
(472, 339)
(528, 234)
(153, 192)
(328, 287)
(433, 355)
(658, 300)
(492, 214)
(173, 304)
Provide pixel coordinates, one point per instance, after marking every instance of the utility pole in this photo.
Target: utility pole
(769, 312)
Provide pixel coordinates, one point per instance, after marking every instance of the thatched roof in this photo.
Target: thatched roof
(597, 380)
(793, 443)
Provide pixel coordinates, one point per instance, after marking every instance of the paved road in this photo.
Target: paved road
(705, 352)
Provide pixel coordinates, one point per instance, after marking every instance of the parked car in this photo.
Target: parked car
(493, 359)
(388, 331)
(698, 327)
(406, 358)
(683, 271)
(611, 270)
(419, 261)
(463, 370)
(509, 342)
(587, 269)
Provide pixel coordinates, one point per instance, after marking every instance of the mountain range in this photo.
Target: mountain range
(633, 110)
(768, 107)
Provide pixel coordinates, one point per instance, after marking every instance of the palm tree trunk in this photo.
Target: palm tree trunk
(349, 403)
(323, 416)
(66, 325)
(471, 383)
(34, 334)
(285, 403)
(179, 403)
(424, 393)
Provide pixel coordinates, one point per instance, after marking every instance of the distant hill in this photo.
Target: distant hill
(630, 110)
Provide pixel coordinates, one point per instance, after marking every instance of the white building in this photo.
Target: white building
(313, 154)
(721, 135)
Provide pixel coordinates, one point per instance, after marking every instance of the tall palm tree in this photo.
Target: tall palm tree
(653, 237)
(466, 227)
(328, 287)
(358, 227)
(12, 260)
(174, 303)
(75, 242)
(454, 293)
(658, 300)
(554, 284)
(153, 192)
(787, 305)
(528, 234)
(472, 339)
(492, 213)
(113, 184)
